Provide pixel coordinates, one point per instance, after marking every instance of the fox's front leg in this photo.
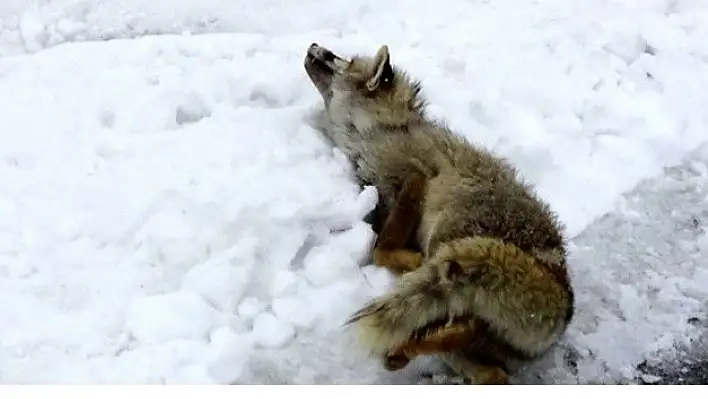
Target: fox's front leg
(401, 223)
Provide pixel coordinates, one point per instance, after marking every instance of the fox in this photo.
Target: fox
(480, 259)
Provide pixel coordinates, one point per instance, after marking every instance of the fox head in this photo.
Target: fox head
(364, 91)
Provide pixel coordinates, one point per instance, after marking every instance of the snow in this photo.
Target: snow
(162, 318)
(649, 296)
(167, 216)
(703, 243)
(228, 355)
(271, 332)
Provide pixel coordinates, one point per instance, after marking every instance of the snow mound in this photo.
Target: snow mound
(161, 318)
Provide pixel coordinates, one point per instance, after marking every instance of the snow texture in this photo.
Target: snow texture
(167, 216)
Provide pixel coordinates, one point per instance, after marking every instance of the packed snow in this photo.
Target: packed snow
(168, 216)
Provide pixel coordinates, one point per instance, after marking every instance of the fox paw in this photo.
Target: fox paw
(399, 261)
(491, 376)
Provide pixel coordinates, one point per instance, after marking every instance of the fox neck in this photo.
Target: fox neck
(384, 121)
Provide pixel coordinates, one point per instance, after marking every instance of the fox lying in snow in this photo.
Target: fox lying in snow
(482, 260)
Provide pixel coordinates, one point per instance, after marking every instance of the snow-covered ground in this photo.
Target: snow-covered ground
(643, 276)
(166, 215)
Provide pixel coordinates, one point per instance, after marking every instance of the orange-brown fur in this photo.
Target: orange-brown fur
(400, 225)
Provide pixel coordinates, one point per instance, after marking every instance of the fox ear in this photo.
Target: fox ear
(383, 72)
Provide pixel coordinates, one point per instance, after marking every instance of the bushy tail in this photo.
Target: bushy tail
(525, 303)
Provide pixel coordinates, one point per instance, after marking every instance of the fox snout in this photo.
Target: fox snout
(324, 59)
(321, 64)
(321, 54)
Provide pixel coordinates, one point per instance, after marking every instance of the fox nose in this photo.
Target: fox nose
(314, 45)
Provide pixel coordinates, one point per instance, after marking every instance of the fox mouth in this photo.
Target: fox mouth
(322, 58)
(320, 65)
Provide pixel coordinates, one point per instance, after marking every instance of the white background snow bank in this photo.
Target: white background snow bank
(167, 216)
